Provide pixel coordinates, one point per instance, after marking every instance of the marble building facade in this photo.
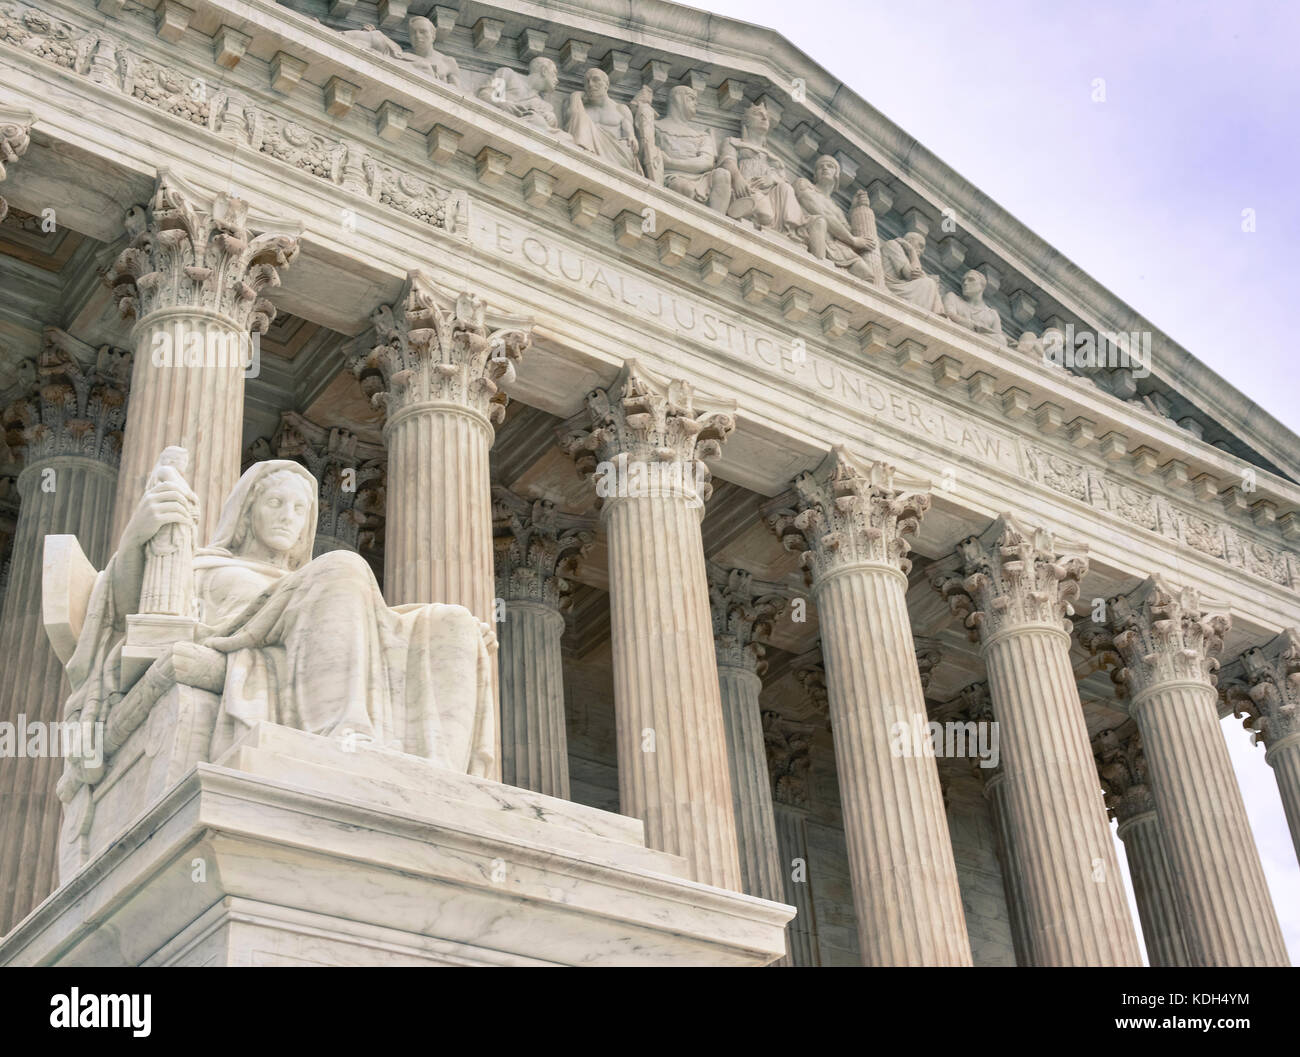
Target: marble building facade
(730, 409)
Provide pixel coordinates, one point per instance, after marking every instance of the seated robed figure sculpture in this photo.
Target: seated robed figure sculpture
(307, 642)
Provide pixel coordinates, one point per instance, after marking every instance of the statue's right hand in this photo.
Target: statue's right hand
(169, 501)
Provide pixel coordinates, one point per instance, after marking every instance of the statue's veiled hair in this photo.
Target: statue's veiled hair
(236, 515)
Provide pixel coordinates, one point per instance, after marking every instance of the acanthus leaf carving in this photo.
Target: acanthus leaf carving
(1263, 688)
(743, 610)
(647, 435)
(1012, 575)
(1160, 634)
(184, 253)
(74, 407)
(436, 347)
(843, 514)
(536, 548)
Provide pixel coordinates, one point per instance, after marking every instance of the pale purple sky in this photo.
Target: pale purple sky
(1144, 191)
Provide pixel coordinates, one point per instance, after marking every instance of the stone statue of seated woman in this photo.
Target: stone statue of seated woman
(281, 637)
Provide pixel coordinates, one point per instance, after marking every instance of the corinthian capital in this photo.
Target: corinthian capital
(1263, 685)
(1122, 768)
(843, 514)
(1010, 576)
(76, 403)
(744, 610)
(437, 347)
(15, 126)
(648, 436)
(191, 251)
(536, 547)
(789, 758)
(1159, 634)
(349, 472)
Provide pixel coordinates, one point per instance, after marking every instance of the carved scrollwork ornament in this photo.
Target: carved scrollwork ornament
(648, 436)
(436, 347)
(1012, 575)
(536, 548)
(76, 403)
(1159, 633)
(744, 611)
(188, 253)
(1263, 688)
(844, 513)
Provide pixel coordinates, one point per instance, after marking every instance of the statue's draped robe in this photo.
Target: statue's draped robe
(898, 258)
(982, 320)
(765, 174)
(315, 648)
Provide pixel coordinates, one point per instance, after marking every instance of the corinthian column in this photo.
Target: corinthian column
(350, 474)
(851, 524)
(1165, 643)
(788, 760)
(536, 547)
(646, 439)
(1123, 770)
(1015, 590)
(191, 278)
(976, 706)
(435, 372)
(743, 611)
(69, 434)
(15, 126)
(1264, 683)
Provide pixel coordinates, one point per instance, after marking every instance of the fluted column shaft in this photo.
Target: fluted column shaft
(904, 876)
(1069, 875)
(1153, 889)
(438, 546)
(197, 407)
(32, 682)
(1223, 898)
(751, 788)
(792, 843)
(666, 691)
(1284, 758)
(534, 745)
(995, 793)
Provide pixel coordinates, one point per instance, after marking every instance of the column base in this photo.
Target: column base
(291, 849)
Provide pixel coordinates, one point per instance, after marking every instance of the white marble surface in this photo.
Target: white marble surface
(309, 853)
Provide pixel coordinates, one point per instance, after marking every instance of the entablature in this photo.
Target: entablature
(917, 381)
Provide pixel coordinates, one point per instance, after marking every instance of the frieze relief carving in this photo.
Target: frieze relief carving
(1157, 514)
(740, 176)
(345, 163)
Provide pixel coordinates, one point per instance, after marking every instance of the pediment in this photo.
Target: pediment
(733, 65)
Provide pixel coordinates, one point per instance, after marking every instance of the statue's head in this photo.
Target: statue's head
(597, 82)
(917, 241)
(827, 170)
(423, 33)
(973, 284)
(756, 119)
(271, 515)
(683, 102)
(543, 74)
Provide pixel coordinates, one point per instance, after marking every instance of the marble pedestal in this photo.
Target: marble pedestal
(292, 850)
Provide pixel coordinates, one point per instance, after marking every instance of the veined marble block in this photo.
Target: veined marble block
(295, 849)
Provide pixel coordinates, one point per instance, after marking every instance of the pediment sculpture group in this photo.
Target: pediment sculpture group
(739, 176)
